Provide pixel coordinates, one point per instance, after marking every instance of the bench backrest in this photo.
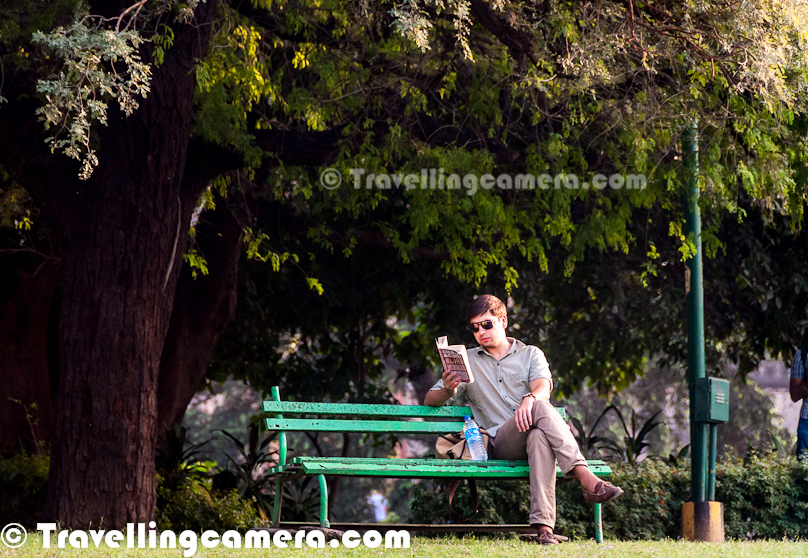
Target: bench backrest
(357, 417)
(365, 418)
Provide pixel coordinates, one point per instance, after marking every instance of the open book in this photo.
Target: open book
(455, 359)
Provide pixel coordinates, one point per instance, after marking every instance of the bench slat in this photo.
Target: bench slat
(422, 411)
(415, 411)
(430, 468)
(439, 462)
(423, 471)
(337, 425)
(414, 468)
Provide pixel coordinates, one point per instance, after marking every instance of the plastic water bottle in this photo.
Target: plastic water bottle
(474, 439)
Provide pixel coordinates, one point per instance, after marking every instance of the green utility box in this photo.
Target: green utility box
(712, 400)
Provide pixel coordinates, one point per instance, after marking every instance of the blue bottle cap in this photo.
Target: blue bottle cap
(467, 417)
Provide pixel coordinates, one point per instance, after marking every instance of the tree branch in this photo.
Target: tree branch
(518, 42)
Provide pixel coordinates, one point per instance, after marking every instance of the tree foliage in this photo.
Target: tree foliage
(558, 88)
(476, 87)
(77, 96)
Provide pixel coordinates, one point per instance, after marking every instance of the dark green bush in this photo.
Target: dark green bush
(23, 479)
(193, 506)
(651, 507)
(763, 498)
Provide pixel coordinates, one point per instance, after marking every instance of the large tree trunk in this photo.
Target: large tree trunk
(113, 320)
(202, 308)
(122, 234)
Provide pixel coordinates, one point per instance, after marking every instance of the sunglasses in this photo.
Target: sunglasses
(487, 324)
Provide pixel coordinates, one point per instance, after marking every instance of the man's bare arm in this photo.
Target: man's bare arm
(798, 389)
(540, 388)
(438, 397)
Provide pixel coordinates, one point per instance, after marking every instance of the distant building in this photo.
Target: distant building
(772, 376)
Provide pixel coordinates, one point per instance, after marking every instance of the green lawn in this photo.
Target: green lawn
(451, 548)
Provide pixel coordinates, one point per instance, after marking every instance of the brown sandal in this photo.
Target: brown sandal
(544, 537)
(547, 537)
(536, 539)
(604, 492)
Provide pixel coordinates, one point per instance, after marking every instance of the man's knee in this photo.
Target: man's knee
(542, 409)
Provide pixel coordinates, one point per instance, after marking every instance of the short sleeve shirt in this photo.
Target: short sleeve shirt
(500, 384)
(798, 372)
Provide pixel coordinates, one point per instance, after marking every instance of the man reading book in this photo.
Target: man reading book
(510, 398)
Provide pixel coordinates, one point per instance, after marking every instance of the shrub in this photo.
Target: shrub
(23, 480)
(186, 497)
(651, 507)
(192, 506)
(763, 498)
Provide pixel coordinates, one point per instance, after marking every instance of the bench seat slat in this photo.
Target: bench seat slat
(347, 425)
(509, 470)
(440, 462)
(359, 409)
(414, 468)
(423, 471)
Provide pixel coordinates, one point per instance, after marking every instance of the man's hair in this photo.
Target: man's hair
(485, 303)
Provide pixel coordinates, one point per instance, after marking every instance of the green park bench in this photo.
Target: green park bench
(397, 419)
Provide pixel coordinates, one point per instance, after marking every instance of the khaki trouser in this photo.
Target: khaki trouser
(548, 439)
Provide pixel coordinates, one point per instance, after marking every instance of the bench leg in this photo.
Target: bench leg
(598, 525)
(323, 502)
(276, 508)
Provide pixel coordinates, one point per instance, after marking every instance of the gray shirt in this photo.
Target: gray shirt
(500, 384)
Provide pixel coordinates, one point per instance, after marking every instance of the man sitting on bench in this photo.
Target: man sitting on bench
(510, 398)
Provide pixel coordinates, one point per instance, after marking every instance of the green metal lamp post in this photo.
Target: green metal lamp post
(695, 313)
(703, 518)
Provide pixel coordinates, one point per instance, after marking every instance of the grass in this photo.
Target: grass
(446, 548)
